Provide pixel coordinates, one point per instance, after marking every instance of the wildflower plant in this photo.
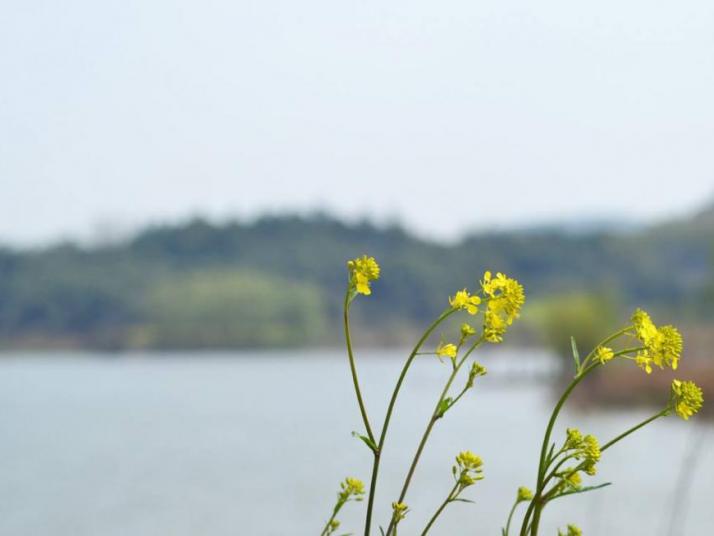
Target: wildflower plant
(562, 466)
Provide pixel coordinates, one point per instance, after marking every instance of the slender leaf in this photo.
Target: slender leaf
(582, 490)
(576, 354)
(367, 441)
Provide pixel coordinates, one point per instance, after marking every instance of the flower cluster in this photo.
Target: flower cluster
(661, 346)
(467, 470)
(687, 398)
(351, 489)
(506, 295)
(362, 270)
(585, 448)
(505, 299)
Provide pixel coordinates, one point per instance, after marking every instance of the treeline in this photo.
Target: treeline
(279, 280)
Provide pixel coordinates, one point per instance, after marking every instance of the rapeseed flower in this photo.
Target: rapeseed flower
(465, 301)
(506, 295)
(363, 270)
(351, 488)
(399, 511)
(467, 331)
(446, 350)
(524, 494)
(494, 327)
(687, 398)
(468, 468)
(604, 354)
(662, 346)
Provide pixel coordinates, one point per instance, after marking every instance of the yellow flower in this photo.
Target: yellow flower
(351, 487)
(644, 361)
(467, 331)
(604, 354)
(468, 460)
(463, 300)
(574, 438)
(524, 494)
(399, 511)
(362, 271)
(687, 398)
(670, 347)
(468, 466)
(645, 329)
(446, 350)
(506, 295)
(494, 327)
(662, 346)
(590, 448)
(362, 284)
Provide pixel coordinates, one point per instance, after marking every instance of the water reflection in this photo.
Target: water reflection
(256, 443)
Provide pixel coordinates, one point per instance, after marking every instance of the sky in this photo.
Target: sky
(444, 116)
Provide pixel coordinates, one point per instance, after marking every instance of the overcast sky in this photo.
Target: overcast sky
(445, 115)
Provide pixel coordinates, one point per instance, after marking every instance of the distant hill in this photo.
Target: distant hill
(280, 280)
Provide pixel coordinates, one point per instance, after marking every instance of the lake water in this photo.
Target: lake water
(256, 443)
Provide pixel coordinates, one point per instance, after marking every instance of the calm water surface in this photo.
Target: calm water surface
(255, 444)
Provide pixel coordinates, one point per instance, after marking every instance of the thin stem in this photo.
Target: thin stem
(335, 511)
(353, 368)
(537, 501)
(544, 449)
(603, 342)
(449, 498)
(434, 417)
(510, 517)
(390, 409)
(526, 518)
(634, 429)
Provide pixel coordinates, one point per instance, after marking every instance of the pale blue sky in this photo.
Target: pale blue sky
(445, 115)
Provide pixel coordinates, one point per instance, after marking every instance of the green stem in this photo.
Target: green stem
(335, 511)
(434, 417)
(603, 342)
(353, 368)
(390, 409)
(510, 517)
(634, 429)
(606, 446)
(450, 497)
(526, 518)
(537, 502)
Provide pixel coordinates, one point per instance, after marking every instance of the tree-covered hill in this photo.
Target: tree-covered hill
(279, 280)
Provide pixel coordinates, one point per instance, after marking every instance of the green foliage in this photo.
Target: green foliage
(98, 296)
(231, 308)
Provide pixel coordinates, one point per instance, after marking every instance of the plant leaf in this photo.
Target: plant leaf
(582, 490)
(576, 354)
(444, 405)
(367, 441)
